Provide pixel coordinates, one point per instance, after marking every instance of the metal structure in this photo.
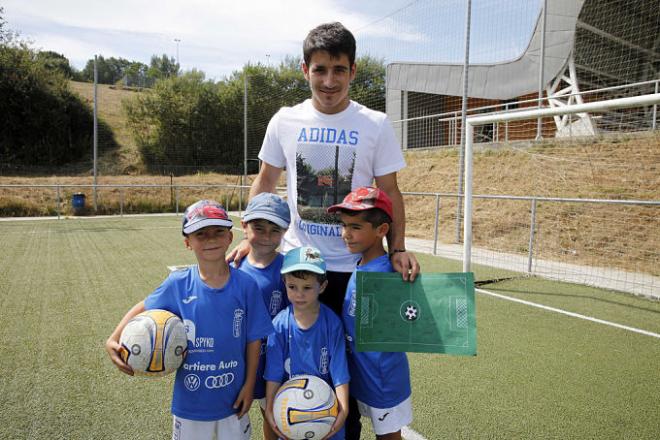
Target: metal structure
(584, 45)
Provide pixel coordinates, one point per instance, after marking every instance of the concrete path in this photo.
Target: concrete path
(603, 277)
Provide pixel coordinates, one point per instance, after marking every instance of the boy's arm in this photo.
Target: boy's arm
(112, 344)
(403, 262)
(246, 395)
(271, 390)
(266, 180)
(342, 397)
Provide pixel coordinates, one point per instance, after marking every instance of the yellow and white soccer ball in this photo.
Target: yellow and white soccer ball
(305, 407)
(154, 343)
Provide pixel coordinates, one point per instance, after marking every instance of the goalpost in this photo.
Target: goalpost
(474, 121)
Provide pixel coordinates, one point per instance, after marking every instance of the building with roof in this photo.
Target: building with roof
(588, 45)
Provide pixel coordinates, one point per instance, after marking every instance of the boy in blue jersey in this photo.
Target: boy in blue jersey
(380, 382)
(308, 336)
(225, 320)
(264, 222)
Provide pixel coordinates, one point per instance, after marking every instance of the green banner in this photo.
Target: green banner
(435, 314)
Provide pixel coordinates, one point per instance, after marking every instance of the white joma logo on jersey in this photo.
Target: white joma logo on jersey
(189, 299)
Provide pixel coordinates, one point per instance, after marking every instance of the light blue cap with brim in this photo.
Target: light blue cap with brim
(305, 258)
(268, 206)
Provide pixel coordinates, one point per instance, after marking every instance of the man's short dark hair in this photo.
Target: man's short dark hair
(333, 38)
(374, 216)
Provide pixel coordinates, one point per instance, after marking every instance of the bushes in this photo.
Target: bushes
(44, 123)
(188, 121)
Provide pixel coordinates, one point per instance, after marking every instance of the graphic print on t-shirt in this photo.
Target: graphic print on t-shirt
(324, 176)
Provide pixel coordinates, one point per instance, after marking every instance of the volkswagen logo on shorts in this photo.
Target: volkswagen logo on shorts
(191, 382)
(220, 381)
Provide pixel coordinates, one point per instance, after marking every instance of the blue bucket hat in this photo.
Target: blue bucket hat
(303, 258)
(204, 213)
(268, 206)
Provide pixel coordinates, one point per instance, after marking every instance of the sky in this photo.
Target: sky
(221, 36)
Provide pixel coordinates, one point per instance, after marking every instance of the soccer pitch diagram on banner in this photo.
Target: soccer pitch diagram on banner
(435, 314)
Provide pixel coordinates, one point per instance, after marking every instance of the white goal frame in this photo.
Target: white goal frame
(473, 121)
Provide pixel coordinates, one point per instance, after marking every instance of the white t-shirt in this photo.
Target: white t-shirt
(326, 157)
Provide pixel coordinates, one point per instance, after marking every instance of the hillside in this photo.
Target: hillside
(624, 167)
(126, 159)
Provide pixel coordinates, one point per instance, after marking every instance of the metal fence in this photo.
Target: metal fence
(445, 129)
(611, 244)
(566, 239)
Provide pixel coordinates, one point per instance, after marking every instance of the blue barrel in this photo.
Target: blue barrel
(78, 203)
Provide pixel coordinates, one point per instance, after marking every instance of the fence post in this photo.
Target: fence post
(464, 110)
(506, 125)
(57, 191)
(437, 218)
(539, 121)
(530, 247)
(176, 193)
(655, 110)
(121, 202)
(240, 199)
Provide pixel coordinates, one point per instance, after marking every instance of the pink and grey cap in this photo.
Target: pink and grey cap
(363, 198)
(269, 207)
(205, 213)
(305, 258)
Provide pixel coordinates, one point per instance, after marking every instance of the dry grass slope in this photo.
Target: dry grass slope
(127, 158)
(606, 168)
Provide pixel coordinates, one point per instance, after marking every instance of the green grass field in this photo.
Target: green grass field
(65, 284)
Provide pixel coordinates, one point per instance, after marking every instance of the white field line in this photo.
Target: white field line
(574, 315)
(410, 434)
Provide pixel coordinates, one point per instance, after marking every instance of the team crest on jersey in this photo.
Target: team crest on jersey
(352, 305)
(238, 322)
(323, 361)
(275, 302)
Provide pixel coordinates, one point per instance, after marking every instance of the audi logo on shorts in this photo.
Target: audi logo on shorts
(220, 381)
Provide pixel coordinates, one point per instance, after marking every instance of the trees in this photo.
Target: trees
(111, 70)
(55, 61)
(368, 87)
(186, 123)
(162, 67)
(44, 123)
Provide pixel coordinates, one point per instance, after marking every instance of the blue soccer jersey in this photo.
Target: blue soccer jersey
(270, 282)
(319, 350)
(219, 325)
(381, 380)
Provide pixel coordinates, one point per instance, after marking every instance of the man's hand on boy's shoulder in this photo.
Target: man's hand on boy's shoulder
(238, 253)
(406, 264)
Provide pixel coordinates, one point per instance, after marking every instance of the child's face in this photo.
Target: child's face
(329, 79)
(303, 293)
(210, 243)
(360, 235)
(264, 236)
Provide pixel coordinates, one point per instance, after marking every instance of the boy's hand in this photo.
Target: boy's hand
(271, 421)
(244, 400)
(406, 264)
(339, 422)
(112, 347)
(238, 253)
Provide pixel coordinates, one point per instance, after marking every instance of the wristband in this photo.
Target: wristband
(394, 251)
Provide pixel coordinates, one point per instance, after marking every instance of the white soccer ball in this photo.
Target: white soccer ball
(154, 343)
(305, 408)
